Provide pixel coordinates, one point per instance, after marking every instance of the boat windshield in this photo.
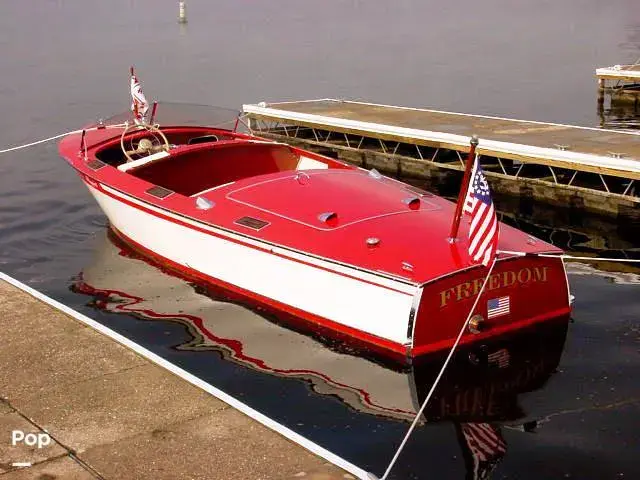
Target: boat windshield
(183, 114)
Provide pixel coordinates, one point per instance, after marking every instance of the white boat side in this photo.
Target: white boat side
(375, 305)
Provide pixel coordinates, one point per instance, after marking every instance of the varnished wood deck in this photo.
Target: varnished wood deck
(579, 148)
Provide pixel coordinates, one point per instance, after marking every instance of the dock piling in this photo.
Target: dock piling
(182, 12)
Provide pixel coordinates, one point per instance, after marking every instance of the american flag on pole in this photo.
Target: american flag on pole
(484, 448)
(139, 104)
(484, 229)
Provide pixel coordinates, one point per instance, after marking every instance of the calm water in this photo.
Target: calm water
(65, 63)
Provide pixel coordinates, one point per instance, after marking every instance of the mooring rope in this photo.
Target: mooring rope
(440, 374)
(101, 127)
(571, 257)
(55, 137)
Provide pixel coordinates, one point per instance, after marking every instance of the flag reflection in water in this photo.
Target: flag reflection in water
(483, 448)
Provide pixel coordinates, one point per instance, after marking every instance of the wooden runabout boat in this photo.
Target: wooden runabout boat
(489, 388)
(343, 251)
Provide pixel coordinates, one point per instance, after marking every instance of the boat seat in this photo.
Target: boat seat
(306, 163)
(125, 167)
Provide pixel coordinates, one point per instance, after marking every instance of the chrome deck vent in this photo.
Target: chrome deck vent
(204, 203)
(253, 223)
(328, 217)
(159, 192)
(412, 202)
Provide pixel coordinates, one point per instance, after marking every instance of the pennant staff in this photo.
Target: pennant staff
(463, 190)
(83, 144)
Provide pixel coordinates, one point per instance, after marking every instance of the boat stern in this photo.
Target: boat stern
(520, 292)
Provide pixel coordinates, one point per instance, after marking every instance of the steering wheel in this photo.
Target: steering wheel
(152, 141)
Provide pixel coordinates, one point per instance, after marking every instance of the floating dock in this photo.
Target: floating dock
(620, 73)
(590, 169)
(623, 88)
(80, 405)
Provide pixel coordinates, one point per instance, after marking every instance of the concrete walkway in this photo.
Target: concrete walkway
(113, 414)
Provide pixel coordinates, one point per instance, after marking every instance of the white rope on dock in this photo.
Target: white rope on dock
(571, 257)
(55, 137)
(440, 374)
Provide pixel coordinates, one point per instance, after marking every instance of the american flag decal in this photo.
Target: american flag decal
(498, 306)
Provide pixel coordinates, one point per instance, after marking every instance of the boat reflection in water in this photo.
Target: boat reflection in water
(479, 393)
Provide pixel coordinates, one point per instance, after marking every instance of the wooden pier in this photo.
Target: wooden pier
(620, 73)
(623, 91)
(579, 167)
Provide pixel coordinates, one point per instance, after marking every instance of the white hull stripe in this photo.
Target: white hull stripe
(192, 379)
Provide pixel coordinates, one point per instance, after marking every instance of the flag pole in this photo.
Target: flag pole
(83, 144)
(134, 105)
(463, 190)
(153, 112)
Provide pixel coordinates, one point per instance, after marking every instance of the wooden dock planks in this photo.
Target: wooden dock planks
(594, 150)
(620, 72)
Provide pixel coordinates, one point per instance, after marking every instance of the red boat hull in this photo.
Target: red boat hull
(286, 229)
